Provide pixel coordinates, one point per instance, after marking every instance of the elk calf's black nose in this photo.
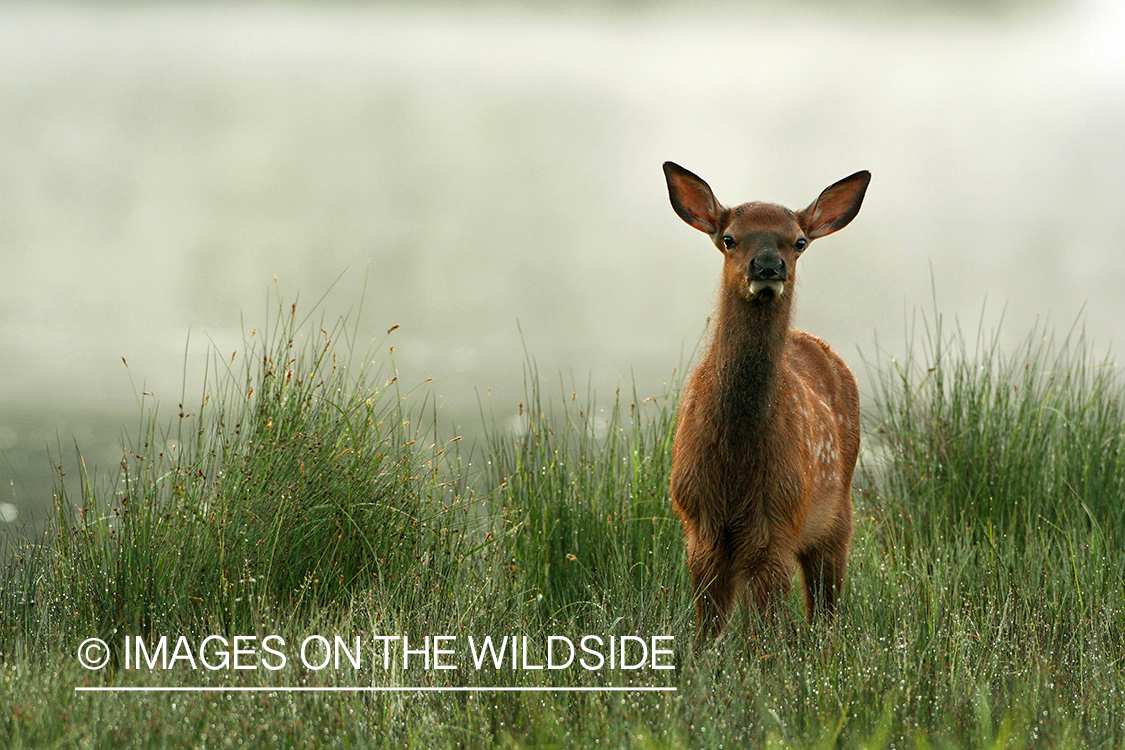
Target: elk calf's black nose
(767, 266)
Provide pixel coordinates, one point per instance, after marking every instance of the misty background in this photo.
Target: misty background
(492, 179)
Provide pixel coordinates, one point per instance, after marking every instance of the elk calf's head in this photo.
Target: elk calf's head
(762, 241)
(767, 434)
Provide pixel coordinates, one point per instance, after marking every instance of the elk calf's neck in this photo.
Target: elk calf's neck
(768, 429)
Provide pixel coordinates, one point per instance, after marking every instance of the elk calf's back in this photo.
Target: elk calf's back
(768, 429)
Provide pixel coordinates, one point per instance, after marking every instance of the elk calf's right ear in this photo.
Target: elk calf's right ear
(692, 198)
(836, 206)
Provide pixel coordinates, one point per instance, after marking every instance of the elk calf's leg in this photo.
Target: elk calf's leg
(823, 572)
(716, 590)
(769, 583)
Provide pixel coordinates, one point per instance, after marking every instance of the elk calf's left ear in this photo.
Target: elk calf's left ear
(835, 207)
(692, 198)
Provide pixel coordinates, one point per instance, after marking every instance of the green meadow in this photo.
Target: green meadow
(306, 507)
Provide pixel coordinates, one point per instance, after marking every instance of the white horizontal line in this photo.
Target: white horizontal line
(370, 689)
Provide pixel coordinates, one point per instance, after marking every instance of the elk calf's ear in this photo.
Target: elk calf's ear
(692, 198)
(836, 206)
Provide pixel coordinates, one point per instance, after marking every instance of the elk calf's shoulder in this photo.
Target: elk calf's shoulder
(768, 429)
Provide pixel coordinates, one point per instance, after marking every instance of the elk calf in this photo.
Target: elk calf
(768, 428)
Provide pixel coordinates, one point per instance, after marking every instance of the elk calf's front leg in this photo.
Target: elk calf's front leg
(823, 570)
(715, 589)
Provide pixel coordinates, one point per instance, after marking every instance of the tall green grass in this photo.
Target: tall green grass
(294, 482)
(1003, 443)
(582, 492)
(985, 603)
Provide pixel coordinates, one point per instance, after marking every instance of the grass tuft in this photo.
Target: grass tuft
(295, 483)
(582, 491)
(1002, 444)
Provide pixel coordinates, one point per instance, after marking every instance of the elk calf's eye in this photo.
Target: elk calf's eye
(800, 243)
(728, 241)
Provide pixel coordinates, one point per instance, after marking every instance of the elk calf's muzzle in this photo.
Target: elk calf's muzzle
(768, 265)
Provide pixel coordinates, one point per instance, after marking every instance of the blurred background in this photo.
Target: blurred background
(488, 179)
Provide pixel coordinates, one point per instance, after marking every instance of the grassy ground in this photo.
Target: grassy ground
(304, 495)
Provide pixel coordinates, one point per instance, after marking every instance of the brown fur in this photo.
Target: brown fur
(768, 429)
